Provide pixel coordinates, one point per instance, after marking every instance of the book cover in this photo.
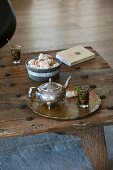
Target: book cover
(74, 55)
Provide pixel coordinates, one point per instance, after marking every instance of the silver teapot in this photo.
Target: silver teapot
(50, 93)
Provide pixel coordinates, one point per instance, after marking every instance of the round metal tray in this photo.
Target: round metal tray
(65, 111)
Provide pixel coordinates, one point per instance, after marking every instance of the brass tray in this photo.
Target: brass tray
(65, 111)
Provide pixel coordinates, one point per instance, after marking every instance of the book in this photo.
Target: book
(74, 55)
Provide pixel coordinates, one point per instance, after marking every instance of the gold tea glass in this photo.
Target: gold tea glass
(83, 97)
(15, 51)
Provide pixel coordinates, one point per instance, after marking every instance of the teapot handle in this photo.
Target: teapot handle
(30, 91)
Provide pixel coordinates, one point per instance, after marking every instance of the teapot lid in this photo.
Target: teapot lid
(50, 86)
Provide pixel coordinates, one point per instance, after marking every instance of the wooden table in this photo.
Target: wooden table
(16, 119)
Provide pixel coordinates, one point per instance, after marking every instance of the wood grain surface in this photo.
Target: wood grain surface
(94, 144)
(17, 119)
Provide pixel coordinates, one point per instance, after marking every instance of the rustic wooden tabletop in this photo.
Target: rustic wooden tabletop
(16, 118)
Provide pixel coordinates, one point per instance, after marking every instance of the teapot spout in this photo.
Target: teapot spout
(67, 82)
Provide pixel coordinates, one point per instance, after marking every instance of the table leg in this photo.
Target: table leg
(93, 140)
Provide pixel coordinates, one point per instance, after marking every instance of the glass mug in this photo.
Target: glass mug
(15, 51)
(83, 96)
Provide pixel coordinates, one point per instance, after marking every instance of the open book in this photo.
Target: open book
(75, 55)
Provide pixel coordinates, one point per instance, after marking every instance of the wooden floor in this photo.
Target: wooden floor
(57, 24)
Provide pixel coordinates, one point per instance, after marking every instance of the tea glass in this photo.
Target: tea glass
(15, 51)
(83, 97)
